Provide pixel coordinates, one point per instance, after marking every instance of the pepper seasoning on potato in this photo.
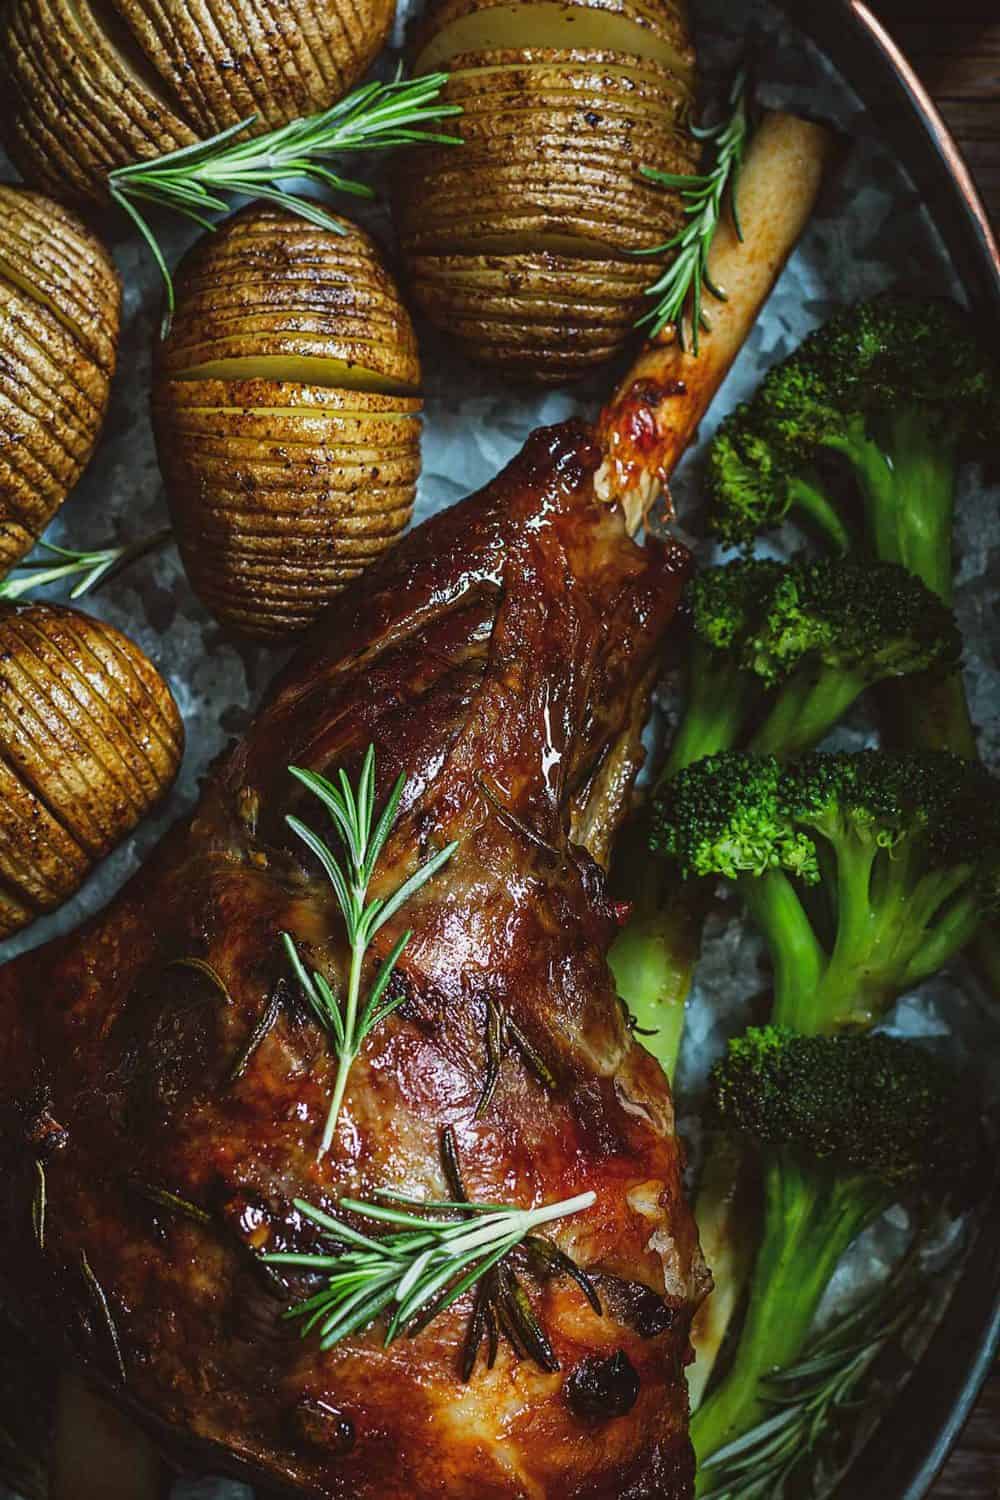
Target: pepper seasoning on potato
(90, 740)
(520, 243)
(286, 411)
(59, 315)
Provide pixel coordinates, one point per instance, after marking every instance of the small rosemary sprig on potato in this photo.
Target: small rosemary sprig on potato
(197, 181)
(680, 291)
(362, 839)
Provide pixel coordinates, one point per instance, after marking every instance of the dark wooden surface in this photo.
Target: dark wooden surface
(955, 45)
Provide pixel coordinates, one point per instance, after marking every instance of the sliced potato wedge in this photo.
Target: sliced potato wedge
(90, 740)
(656, 32)
(273, 297)
(80, 99)
(286, 418)
(91, 85)
(59, 312)
(520, 246)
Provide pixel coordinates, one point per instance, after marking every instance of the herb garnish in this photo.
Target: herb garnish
(198, 180)
(423, 1266)
(811, 1396)
(95, 567)
(362, 839)
(686, 279)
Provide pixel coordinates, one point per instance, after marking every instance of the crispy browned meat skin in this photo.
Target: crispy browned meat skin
(496, 656)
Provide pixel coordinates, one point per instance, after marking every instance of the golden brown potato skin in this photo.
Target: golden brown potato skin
(520, 243)
(90, 85)
(59, 315)
(283, 490)
(496, 657)
(90, 740)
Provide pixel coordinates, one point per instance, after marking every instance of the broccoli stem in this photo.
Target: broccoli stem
(907, 474)
(807, 706)
(951, 912)
(719, 698)
(807, 497)
(727, 1208)
(810, 1219)
(653, 958)
(798, 957)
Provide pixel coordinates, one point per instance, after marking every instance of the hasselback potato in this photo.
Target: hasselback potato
(59, 315)
(286, 413)
(90, 85)
(90, 740)
(519, 244)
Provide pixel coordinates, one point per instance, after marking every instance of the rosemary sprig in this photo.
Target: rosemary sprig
(198, 180)
(362, 839)
(683, 284)
(418, 1270)
(812, 1396)
(91, 569)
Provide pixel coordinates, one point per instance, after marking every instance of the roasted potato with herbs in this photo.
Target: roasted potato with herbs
(521, 244)
(59, 315)
(90, 740)
(286, 413)
(87, 87)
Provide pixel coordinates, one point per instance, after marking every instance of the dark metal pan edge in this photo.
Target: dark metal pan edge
(913, 1440)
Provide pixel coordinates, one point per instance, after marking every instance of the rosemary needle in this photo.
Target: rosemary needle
(90, 569)
(417, 1271)
(362, 838)
(682, 287)
(781, 1454)
(197, 181)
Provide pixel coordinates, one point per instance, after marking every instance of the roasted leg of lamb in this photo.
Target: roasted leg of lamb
(164, 1084)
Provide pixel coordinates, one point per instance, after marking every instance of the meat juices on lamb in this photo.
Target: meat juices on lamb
(502, 658)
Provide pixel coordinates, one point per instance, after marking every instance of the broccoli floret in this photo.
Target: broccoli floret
(897, 390)
(864, 872)
(846, 1126)
(781, 651)
(858, 1102)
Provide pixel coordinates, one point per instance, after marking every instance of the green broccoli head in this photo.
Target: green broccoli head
(845, 1126)
(723, 816)
(872, 620)
(884, 385)
(726, 603)
(860, 1103)
(781, 650)
(902, 852)
(945, 809)
(898, 351)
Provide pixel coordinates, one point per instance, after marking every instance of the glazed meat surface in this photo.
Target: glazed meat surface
(501, 657)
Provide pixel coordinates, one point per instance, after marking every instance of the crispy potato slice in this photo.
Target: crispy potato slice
(90, 740)
(286, 418)
(80, 98)
(59, 312)
(562, 105)
(272, 297)
(658, 33)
